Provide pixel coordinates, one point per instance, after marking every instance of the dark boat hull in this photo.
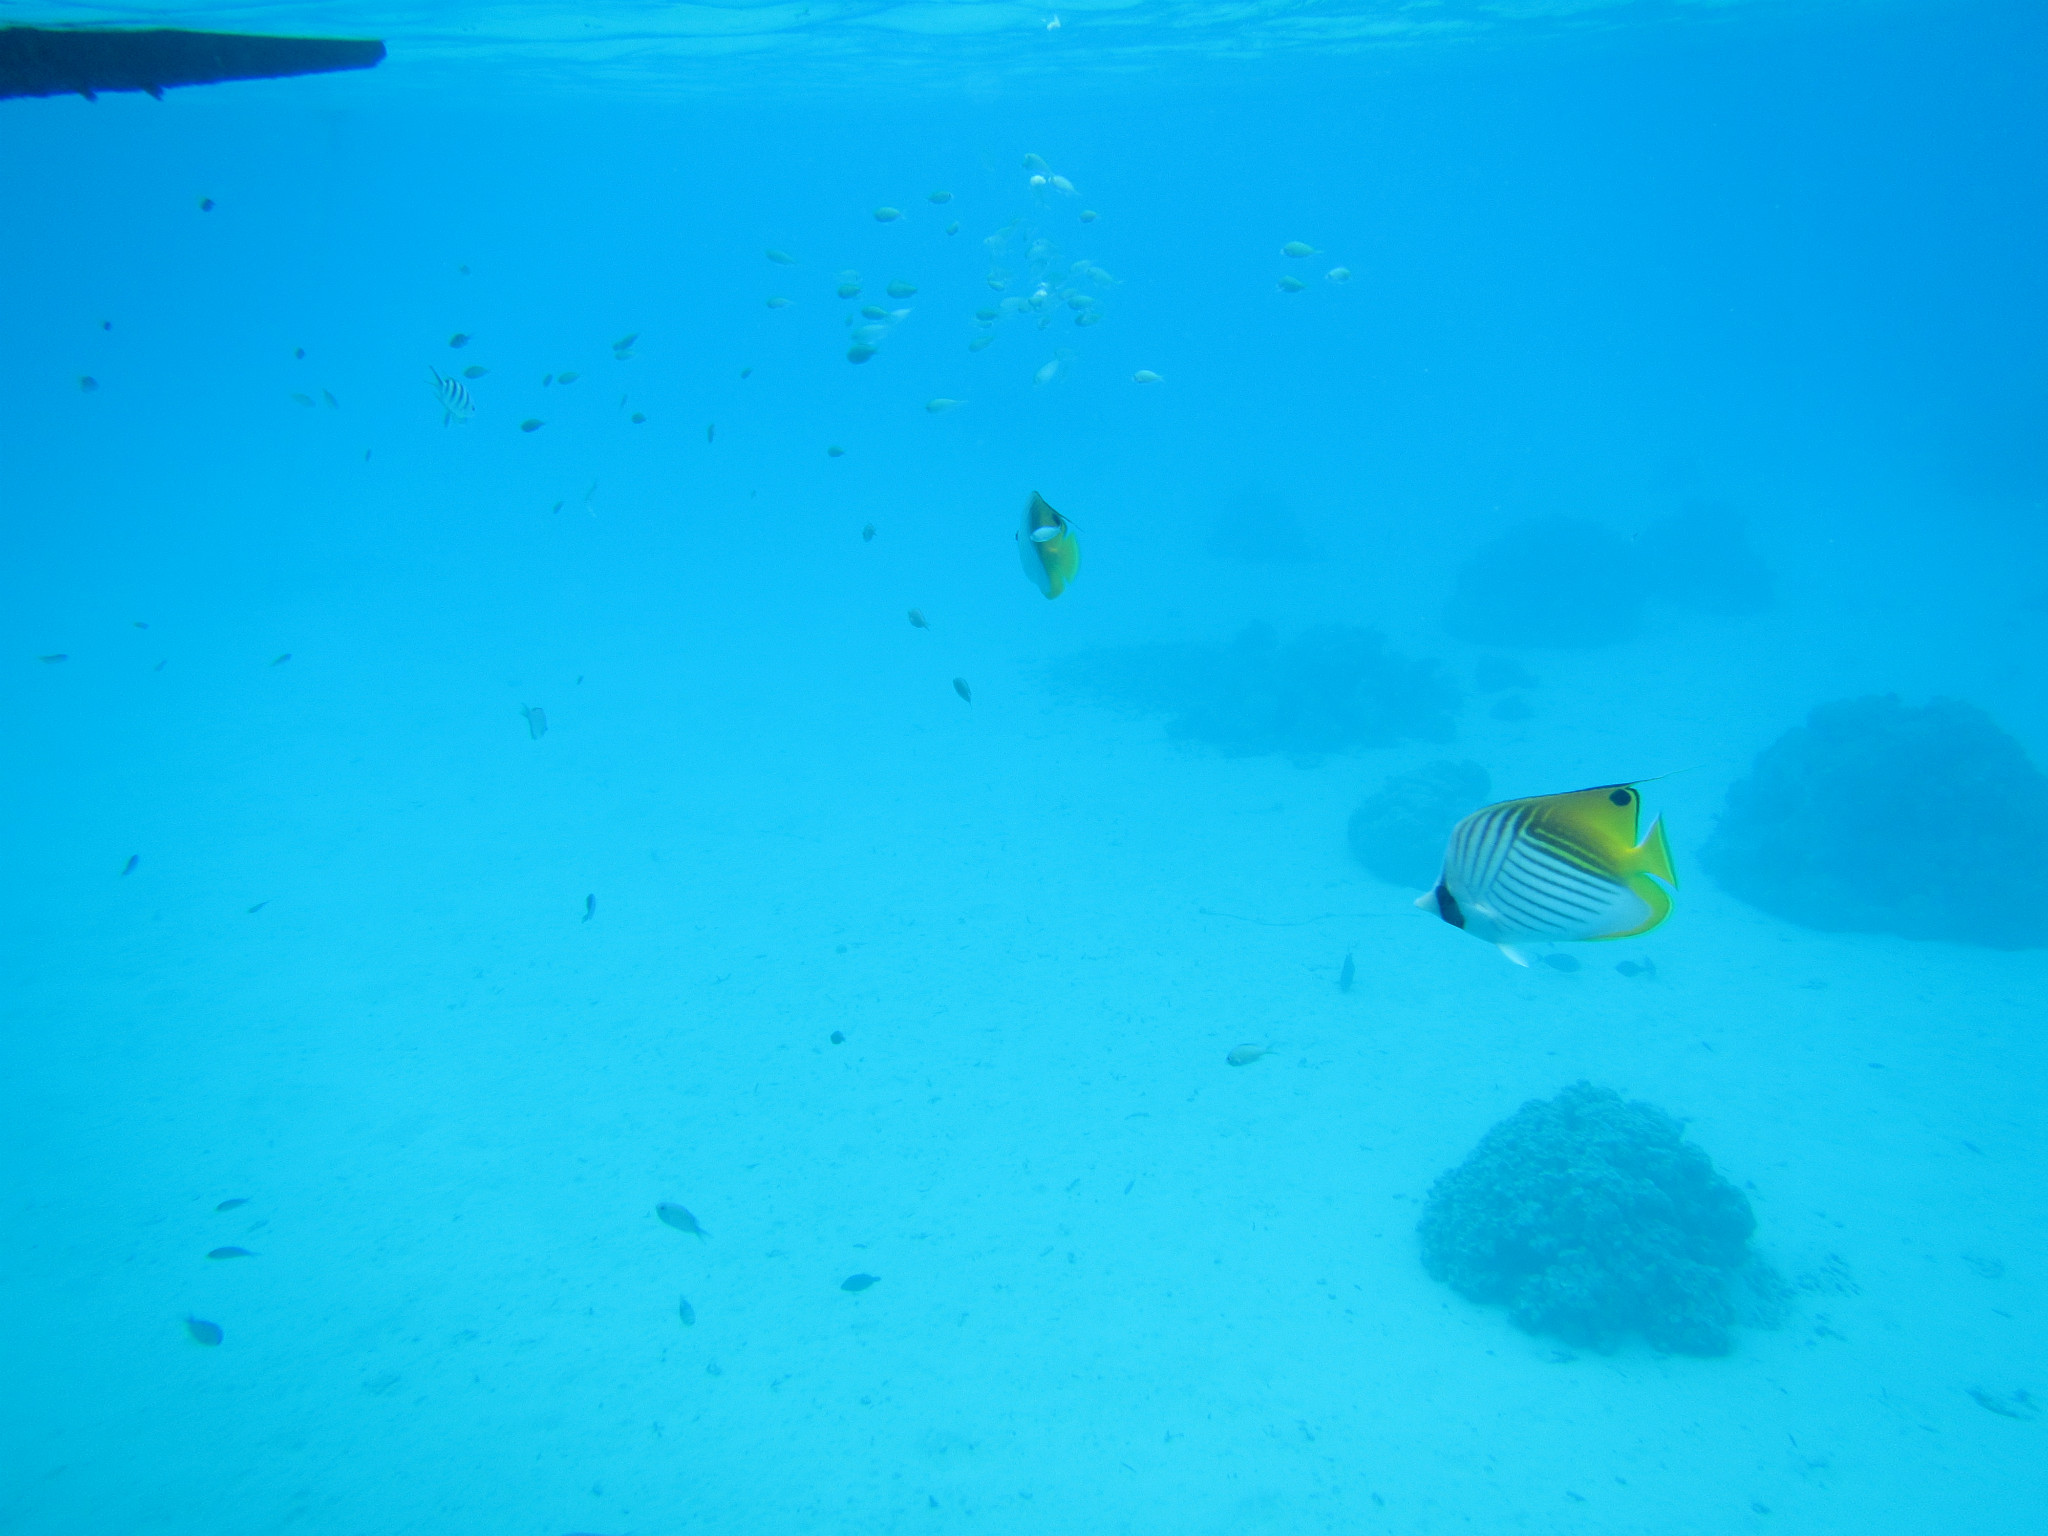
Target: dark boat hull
(54, 61)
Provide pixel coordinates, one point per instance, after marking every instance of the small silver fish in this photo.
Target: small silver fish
(203, 1332)
(858, 1283)
(133, 860)
(231, 1253)
(686, 1312)
(589, 907)
(1346, 976)
(229, 1205)
(536, 720)
(966, 693)
(1245, 1055)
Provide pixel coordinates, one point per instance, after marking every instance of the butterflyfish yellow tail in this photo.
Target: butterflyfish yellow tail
(1650, 862)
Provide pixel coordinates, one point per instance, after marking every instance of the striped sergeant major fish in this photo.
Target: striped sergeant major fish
(1555, 867)
(456, 404)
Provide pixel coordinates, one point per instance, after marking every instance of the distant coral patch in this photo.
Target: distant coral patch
(1876, 817)
(1333, 688)
(1400, 830)
(1571, 584)
(1592, 1219)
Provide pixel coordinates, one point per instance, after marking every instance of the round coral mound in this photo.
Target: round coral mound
(1590, 1217)
(1875, 817)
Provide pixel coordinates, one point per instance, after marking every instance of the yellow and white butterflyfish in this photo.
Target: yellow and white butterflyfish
(1048, 547)
(1555, 867)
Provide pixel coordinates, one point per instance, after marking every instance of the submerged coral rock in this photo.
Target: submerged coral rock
(1399, 832)
(1592, 1218)
(1330, 689)
(1557, 582)
(1875, 817)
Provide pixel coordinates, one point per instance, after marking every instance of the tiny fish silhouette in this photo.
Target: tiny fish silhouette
(206, 206)
(686, 1312)
(231, 1253)
(1245, 1055)
(867, 533)
(458, 340)
(87, 383)
(567, 378)
(917, 620)
(679, 1217)
(281, 659)
(331, 401)
(258, 907)
(203, 1332)
(711, 433)
(1633, 968)
(229, 1205)
(625, 342)
(1566, 963)
(536, 721)
(475, 371)
(589, 907)
(531, 424)
(960, 687)
(858, 1282)
(838, 1037)
(54, 657)
(133, 860)
(1346, 976)
(837, 452)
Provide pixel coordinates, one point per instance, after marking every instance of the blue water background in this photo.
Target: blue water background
(1787, 261)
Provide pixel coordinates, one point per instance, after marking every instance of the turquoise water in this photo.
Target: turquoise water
(877, 980)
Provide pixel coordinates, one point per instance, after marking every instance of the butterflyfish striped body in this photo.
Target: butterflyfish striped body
(1554, 868)
(1048, 548)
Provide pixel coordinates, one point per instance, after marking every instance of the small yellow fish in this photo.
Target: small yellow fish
(781, 258)
(1338, 274)
(1555, 867)
(1291, 285)
(780, 303)
(941, 197)
(888, 215)
(567, 378)
(979, 342)
(1297, 248)
(1146, 376)
(1245, 1055)
(1048, 548)
(899, 289)
(918, 620)
(941, 405)
(1089, 215)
